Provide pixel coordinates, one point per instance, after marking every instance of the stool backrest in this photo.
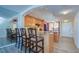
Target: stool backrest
(23, 31)
(9, 31)
(17, 31)
(32, 32)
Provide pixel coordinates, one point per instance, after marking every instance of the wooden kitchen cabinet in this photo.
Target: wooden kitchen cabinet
(51, 43)
(56, 36)
(30, 21)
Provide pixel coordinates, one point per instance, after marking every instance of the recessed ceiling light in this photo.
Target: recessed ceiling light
(65, 12)
(65, 21)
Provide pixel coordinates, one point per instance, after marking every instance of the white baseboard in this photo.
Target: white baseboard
(67, 37)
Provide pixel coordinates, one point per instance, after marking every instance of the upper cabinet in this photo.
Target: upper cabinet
(30, 21)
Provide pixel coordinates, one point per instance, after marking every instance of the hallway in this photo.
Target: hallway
(65, 45)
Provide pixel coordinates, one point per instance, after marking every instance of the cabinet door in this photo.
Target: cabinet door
(51, 43)
(56, 31)
(28, 21)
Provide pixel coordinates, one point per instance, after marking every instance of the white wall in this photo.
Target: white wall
(20, 16)
(40, 14)
(66, 29)
(76, 30)
(3, 27)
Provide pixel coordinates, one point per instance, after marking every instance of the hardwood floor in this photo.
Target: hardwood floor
(6, 46)
(10, 49)
(4, 41)
(65, 45)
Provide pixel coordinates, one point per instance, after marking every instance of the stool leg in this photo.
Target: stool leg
(18, 42)
(21, 43)
(42, 46)
(25, 49)
(29, 46)
(26, 43)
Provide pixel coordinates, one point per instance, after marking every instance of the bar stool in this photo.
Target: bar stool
(25, 39)
(7, 31)
(18, 36)
(36, 42)
(10, 34)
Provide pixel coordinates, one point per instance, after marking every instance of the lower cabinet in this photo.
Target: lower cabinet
(56, 36)
(51, 43)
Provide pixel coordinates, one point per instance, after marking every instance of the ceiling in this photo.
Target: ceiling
(54, 10)
(48, 12)
(8, 11)
(42, 13)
